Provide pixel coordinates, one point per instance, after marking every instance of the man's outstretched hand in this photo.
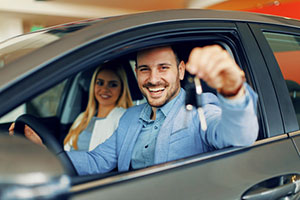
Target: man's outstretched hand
(218, 69)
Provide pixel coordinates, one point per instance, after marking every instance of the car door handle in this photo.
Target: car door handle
(274, 188)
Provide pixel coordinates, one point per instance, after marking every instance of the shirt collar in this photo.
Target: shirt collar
(165, 109)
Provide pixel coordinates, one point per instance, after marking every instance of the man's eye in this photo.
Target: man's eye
(144, 69)
(165, 67)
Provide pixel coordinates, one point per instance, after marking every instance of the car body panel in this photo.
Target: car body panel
(296, 139)
(251, 166)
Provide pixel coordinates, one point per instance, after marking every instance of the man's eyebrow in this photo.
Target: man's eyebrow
(141, 66)
(160, 64)
(165, 64)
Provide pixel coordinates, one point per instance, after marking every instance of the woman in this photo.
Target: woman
(109, 97)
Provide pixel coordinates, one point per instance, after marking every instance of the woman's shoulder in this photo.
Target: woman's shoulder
(119, 110)
(116, 112)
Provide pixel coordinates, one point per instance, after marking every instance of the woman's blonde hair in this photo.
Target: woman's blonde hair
(84, 118)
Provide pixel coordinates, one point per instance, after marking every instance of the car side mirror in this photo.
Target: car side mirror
(29, 171)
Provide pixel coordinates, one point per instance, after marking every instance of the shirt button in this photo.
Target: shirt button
(146, 146)
(155, 127)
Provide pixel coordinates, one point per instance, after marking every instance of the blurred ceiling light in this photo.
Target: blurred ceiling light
(203, 3)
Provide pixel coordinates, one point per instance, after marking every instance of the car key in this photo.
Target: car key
(194, 98)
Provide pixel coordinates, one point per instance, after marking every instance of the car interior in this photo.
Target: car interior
(74, 97)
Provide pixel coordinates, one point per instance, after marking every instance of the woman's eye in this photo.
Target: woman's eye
(100, 82)
(113, 85)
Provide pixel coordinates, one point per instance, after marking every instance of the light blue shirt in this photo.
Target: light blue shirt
(143, 153)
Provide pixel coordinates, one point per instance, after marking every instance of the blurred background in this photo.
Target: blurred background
(21, 16)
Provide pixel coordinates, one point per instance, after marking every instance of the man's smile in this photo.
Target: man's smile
(155, 92)
(156, 89)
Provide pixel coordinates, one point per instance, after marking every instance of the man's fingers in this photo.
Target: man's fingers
(203, 59)
(217, 63)
(215, 66)
(192, 65)
(215, 78)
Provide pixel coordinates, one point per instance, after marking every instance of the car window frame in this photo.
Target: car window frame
(211, 154)
(289, 118)
(268, 108)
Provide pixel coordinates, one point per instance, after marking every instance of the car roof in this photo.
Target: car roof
(101, 28)
(197, 14)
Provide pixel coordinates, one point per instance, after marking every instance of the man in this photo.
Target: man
(162, 129)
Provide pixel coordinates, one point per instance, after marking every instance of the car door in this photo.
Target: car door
(224, 174)
(281, 49)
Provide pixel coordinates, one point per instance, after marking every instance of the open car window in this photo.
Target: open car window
(72, 93)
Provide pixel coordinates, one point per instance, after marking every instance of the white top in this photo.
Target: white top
(103, 128)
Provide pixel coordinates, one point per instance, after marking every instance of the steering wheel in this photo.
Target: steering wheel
(47, 138)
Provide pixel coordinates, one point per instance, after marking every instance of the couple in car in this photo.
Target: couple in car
(163, 129)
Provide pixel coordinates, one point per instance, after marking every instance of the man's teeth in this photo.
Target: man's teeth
(156, 89)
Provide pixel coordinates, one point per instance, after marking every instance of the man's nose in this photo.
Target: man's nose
(154, 77)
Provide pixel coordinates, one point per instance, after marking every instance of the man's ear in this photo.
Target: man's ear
(181, 70)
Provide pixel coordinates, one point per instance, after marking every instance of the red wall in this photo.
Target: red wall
(290, 9)
(289, 63)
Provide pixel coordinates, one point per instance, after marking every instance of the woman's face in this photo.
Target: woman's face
(107, 88)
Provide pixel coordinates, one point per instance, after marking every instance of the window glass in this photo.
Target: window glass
(286, 49)
(22, 45)
(44, 105)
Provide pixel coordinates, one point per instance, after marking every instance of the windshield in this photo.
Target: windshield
(22, 45)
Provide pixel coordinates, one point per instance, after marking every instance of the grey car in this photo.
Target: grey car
(44, 80)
